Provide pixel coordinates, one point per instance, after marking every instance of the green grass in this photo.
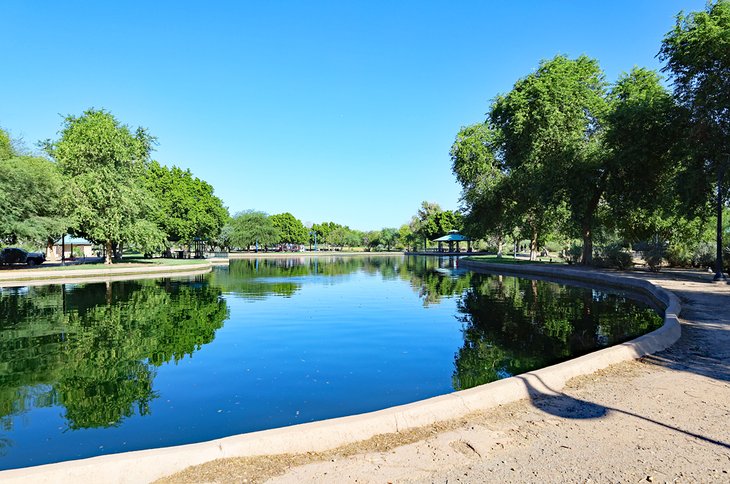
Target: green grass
(508, 259)
(125, 263)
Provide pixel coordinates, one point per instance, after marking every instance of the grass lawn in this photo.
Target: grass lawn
(508, 259)
(125, 263)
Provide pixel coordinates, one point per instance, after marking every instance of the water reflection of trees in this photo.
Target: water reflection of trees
(431, 277)
(434, 278)
(94, 349)
(260, 278)
(514, 325)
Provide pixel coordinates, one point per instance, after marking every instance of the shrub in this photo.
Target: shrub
(572, 254)
(654, 255)
(679, 255)
(704, 255)
(614, 256)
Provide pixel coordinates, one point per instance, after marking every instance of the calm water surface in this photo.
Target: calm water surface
(99, 368)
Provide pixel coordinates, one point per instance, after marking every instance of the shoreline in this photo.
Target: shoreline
(35, 277)
(146, 465)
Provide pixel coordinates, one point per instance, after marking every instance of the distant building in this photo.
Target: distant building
(73, 247)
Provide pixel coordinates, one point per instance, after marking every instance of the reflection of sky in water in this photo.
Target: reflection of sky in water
(154, 363)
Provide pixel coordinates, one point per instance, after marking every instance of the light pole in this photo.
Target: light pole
(313, 232)
(719, 275)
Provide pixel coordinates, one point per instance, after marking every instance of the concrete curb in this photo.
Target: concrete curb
(147, 465)
(36, 277)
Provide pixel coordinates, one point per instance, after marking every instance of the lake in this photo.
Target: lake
(98, 368)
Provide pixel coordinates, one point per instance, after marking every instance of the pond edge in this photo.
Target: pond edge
(148, 465)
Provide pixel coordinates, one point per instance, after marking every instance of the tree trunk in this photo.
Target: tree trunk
(533, 245)
(50, 255)
(500, 244)
(108, 252)
(589, 215)
(587, 257)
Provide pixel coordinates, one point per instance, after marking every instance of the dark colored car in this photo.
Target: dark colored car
(13, 255)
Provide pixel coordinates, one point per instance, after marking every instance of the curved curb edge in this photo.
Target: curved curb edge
(151, 464)
(28, 278)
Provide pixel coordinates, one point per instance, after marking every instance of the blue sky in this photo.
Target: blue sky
(337, 111)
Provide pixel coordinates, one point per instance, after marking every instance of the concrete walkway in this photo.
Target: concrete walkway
(664, 418)
(36, 276)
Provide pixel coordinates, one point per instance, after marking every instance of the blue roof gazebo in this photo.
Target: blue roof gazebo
(453, 237)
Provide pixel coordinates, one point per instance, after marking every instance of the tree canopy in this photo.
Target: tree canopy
(32, 192)
(253, 228)
(185, 205)
(104, 162)
(291, 229)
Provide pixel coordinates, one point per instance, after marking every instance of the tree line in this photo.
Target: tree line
(568, 155)
(98, 181)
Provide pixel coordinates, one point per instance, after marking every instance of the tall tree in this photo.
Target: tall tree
(426, 222)
(389, 237)
(643, 167)
(291, 229)
(253, 228)
(486, 197)
(31, 208)
(697, 53)
(6, 146)
(547, 128)
(186, 206)
(104, 162)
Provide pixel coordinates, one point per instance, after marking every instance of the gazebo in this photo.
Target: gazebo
(453, 237)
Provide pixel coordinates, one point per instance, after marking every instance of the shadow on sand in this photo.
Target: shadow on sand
(564, 406)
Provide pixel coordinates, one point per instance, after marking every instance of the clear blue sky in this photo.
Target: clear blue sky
(337, 111)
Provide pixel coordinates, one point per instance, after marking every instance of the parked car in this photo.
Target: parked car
(14, 255)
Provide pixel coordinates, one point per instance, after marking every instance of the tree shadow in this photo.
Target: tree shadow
(704, 347)
(564, 406)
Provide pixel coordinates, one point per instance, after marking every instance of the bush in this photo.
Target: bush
(654, 256)
(614, 256)
(679, 256)
(704, 255)
(572, 254)
(553, 246)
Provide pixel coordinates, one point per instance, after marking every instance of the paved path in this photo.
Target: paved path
(665, 418)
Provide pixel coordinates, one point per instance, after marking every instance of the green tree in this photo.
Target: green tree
(642, 174)
(697, 53)
(425, 223)
(31, 208)
(6, 146)
(186, 206)
(389, 237)
(104, 162)
(291, 229)
(485, 195)
(371, 239)
(548, 130)
(407, 237)
(253, 228)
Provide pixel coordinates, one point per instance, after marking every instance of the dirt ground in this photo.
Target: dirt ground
(664, 418)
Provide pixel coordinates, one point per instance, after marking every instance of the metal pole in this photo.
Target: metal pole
(719, 276)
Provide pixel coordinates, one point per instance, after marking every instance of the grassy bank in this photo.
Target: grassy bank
(508, 259)
(123, 264)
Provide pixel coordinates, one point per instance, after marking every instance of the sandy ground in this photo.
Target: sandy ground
(665, 418)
